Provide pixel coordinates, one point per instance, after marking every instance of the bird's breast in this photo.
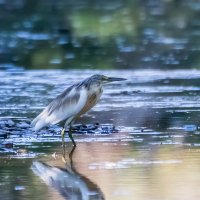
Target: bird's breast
(92, 99)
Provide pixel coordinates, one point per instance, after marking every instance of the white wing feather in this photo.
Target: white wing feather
(62, 112)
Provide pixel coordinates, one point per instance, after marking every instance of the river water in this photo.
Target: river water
(145, 144)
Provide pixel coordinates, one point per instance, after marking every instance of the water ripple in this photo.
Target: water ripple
(128, 163)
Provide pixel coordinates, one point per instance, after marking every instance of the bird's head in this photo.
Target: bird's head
(105, 79)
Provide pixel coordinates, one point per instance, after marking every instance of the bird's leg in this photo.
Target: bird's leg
(63, 140)
(70, 158)
(70, 135)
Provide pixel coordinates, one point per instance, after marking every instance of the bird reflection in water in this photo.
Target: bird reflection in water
(67, 181)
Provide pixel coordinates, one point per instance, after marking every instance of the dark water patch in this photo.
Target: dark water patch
(17, 137)
(11, 67)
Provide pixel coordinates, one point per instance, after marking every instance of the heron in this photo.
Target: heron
(72, 103)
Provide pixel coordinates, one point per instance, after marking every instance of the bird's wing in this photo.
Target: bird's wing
(64, 106)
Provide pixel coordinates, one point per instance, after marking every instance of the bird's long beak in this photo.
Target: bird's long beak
(111, 79)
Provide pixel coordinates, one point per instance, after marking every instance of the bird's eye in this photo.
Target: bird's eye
(104, 78)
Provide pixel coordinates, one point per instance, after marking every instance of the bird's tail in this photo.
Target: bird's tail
(40, 121)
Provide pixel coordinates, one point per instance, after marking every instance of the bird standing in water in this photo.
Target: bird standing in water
(72, 103)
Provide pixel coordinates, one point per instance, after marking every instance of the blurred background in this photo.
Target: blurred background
(120, 34)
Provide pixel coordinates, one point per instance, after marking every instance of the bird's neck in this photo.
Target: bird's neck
(96, 89)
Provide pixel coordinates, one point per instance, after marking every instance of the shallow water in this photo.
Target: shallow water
(146, 145)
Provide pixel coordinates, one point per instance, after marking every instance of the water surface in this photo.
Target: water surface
(146, 144)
